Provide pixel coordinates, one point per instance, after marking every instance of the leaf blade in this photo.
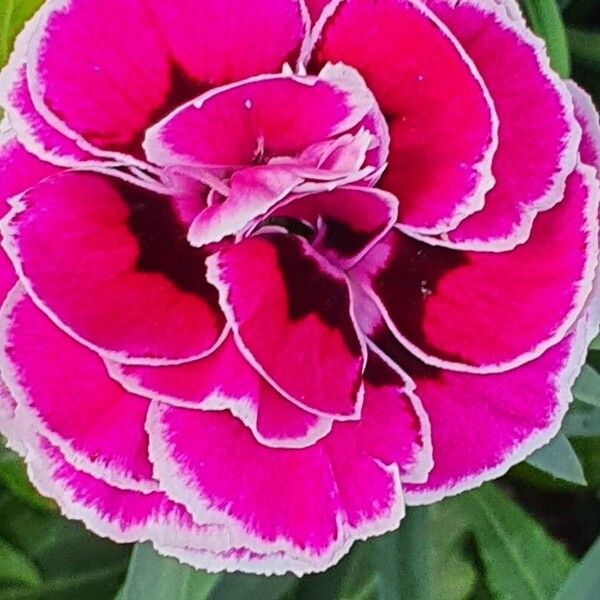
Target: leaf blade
(559, 459)
(154, 577)
(583, 582)
(546, 21)
(521, 560)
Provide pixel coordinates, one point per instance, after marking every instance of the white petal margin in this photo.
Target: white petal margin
(174, 480)
(163, 521)
(27, 419)
(584, 331)
(242, 408)
(508, 15)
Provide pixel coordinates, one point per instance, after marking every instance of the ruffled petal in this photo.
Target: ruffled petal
(224, 380)
(481, 425)
(124, 516)
(63, 391)
(311, 503)
(537, 140)
(160, 54)
(443, 123)
(394, 427)
(348, 220)
(93, 259)
(489, 312)
(283, 300)
(262, 117)
(19, 170)
(588, 118)
(37, 134)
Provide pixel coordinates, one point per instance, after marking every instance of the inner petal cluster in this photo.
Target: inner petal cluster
(263, 155)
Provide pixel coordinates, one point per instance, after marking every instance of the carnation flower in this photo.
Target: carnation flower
(275, 269)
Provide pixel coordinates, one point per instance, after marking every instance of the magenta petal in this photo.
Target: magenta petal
(537, 140)
(588, 118)
(349, 220)
(262, 117)
(160, 54)
(124, 516)
(441, 150)
(253, 192)
(311, 503)
(64, 392)
(33, 130)
(283, 300)
(394, 427)
(241, 559)
(488, 312)
(483, 425)
(19, 170)
(92, 260)
(224, 380)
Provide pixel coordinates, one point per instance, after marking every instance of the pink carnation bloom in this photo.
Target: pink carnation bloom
(274, 270)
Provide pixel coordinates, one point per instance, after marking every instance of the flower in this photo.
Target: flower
(275, 269)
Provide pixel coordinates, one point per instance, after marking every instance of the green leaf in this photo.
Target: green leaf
(587, 386)
(583, 582)
(402, 559)
(545, 19)
(90, 584)
(582, 421)
(155, 577)
(588, 451)
(73, 563)
(521, 560)
(15, 567)
(239, 586)
(455, 573)
(13, 15)
(353, 578)
(595, 345)
(13, 476)
(585, 46)
(558, 458)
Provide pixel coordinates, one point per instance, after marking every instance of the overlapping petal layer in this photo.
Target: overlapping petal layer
(486, 312)
(276, 267)
(93, 259)
(440, 152)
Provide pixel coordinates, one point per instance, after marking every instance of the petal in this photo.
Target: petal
(537, 140)
(346, 496)
(240, 559)
(442, 121)
(315, 8)
(19, 170)
(350, 220)
(33, 130)
(94, 259)
(160, 55)
(262, 117)
(481, 425)
(282, 299)
(8, 425)
(477, 311)
(253, 192)
(63, 391)
(394, 427)
(224, 380)
(588, 118)
(124, 516)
